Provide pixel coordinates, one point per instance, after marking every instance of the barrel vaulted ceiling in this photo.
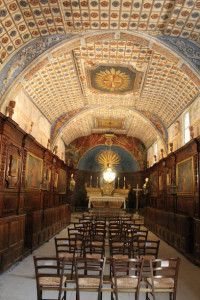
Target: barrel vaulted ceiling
(130, 67)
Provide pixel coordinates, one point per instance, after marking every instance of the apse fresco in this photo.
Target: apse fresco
(78, 148)
(89, 161)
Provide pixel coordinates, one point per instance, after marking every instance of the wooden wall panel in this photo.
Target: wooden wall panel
(11, 240)
(41, 205)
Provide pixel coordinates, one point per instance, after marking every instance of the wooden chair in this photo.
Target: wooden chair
(89, 275)
(49, 276)
(164, 276)
(147, 249)
(67, 250)
(93, 248)
(76, 237)
(127, 275)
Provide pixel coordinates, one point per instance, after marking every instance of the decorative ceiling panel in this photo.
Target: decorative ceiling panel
(24, 20)
(21, 21)
(55, 88)
(75, 129)
(167, 90)
(139, 15)
(185, 20)
(141, 130)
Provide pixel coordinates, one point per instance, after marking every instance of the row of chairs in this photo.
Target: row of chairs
(127, 276)
(87, 240)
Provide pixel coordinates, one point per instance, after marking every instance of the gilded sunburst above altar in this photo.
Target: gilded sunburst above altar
(108, 158)
(113, 79)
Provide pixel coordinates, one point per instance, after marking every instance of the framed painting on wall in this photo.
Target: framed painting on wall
(153, 184)
(56, 180)
(14, 163)
(62, 181)
(169, 178)
(160, 183)
(33, 175)
(184, 176)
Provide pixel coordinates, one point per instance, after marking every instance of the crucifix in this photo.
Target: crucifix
(137, 190)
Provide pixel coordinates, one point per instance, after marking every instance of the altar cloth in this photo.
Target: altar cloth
(107, 201)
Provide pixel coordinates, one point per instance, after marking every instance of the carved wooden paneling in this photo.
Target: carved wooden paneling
(42, 225)
(11, 240)
(197, 240)
(32, 200)
(4, 147)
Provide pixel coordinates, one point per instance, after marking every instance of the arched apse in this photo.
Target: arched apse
(127, 161)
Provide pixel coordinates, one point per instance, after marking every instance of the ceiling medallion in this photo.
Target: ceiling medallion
(114, 79)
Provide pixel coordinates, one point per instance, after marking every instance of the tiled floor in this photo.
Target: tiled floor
(18, 283)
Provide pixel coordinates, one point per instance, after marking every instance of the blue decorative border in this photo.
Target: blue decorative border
(183, 47)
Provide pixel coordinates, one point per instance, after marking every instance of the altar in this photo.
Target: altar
(98, 201)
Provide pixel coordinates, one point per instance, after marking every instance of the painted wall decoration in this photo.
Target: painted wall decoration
(184, 176)
(62, 181)
(113, 79)
(63, 119)
(80, 146)
(157, 123)
(154, 184)
(33, 175)
(89, 160)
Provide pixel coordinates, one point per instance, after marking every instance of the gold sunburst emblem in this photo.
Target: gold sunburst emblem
(106, 158)
(112, 80)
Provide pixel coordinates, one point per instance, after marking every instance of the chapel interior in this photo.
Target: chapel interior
(90, 89)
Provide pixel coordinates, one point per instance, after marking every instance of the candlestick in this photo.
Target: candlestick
(124, 184)
(118, 183)
(97, 181)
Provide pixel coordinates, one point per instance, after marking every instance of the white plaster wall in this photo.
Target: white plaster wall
(61, 149)
(176, 130)
(26, 112)
(151, 152)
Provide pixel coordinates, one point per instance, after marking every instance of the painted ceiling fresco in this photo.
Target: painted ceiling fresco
(130, 67)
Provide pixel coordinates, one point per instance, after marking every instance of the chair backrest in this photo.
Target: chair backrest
(64, 246)
(120, 248)
(89, 274)
(76, 233)
(49, 273)
(164, 275)
(127, 275)
(147, 249)
(93, 248)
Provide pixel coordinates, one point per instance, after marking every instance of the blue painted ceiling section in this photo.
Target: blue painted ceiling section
(127, 161)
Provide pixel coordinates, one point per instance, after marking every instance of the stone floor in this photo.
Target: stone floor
(18, 283)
